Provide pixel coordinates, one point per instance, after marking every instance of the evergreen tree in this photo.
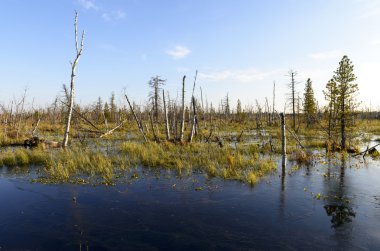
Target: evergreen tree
(154, 96)
(309, 105)
(226, 106)
(239, 111)
(99, 109)
(106, 110)
(346, 94)
(332, 106)
(113, 108)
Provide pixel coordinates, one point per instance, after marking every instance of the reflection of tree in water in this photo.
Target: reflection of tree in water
(339, 209)
(340, 214)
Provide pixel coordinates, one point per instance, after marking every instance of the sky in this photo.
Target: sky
(239, 47)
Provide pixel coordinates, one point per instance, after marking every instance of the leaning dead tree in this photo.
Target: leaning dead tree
(138, 122)
(79, 49)
(193, 105)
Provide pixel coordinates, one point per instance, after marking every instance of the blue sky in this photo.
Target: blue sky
(239, 47)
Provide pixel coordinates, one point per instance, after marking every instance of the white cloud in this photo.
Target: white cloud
(113, 16)
(178, 52)
(237, 75)
(119, 14)
(88, 4)
(368, 8)
(326, 55)
(106, 17)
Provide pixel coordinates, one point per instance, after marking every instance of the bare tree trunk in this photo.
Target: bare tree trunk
(20, 113)
(167, 131)
(283, 140)
(152, 127)
(193, 125)
(139, 125)
(79, 50)
(293, 101)
(183, 110)
(35, 127)
(343, 123)
(274, 99)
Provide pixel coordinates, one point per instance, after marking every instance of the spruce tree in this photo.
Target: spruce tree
(309, 105)
(331, 96)
(346, 94)
(239, 110)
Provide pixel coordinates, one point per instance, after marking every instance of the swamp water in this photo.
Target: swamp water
(330, 205)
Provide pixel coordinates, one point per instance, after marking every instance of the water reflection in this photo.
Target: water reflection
(162, 210)
(340, 214)
(338, 206)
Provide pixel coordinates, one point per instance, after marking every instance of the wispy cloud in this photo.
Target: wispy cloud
(368, 8)
(88, 4)
(237, 75)
(113, 15)
(325, 55)
(178, 52)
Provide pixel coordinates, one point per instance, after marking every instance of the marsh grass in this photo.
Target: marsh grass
(107, 160)
(229, 163)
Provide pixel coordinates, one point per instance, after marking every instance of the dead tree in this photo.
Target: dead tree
(79, 49)
(183, 110)
(167, 131)
(156, 139)
(274, 100)
(138, 122)
(283, 140)
(293, 92)
(194, 121)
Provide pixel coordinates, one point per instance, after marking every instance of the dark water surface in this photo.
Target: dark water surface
(323, 207)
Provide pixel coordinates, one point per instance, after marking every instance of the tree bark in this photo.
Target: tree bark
(283, 140)
(73, 68)
(343, 123)
(167, 131)
(139, 125)
(194, 122)
(183, 110)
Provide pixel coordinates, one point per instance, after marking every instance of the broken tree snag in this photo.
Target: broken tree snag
(193, 104)
(152, 127)
(167, 131)
(183, 110)
(139, 125)
(283, 140)
(84, 118)
(79, 50)
(35, 127)
(295, 137)
(112, 130)
(194, 121)
(369, 150)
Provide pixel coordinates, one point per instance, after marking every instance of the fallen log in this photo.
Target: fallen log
(367, 151)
